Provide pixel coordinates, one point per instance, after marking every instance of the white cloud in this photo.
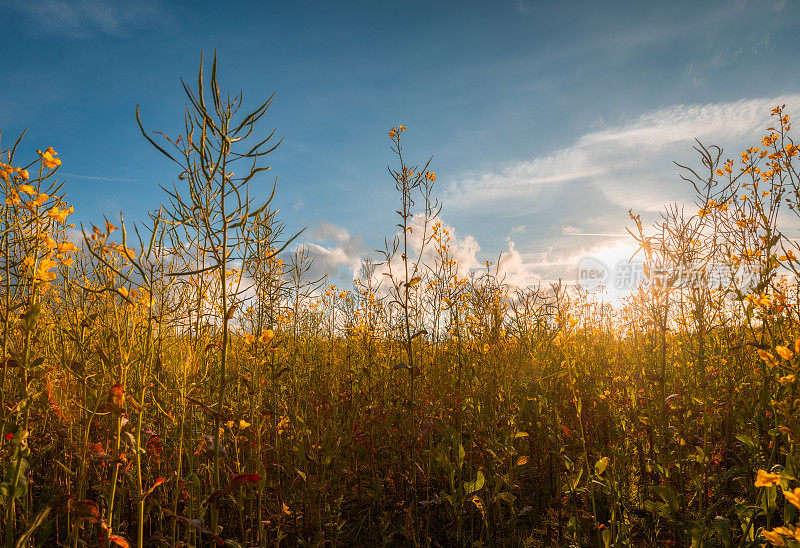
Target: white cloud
(513, 270)
(335, 252)
(629, 162)
(463, 249)
(338, 254)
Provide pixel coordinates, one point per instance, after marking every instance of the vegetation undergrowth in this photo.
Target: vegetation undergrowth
(183, 382)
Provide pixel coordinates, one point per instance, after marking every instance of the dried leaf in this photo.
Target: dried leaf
(207, 409)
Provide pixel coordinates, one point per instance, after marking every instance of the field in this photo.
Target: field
(183, 382)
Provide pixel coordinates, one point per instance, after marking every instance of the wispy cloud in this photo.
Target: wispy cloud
(572, 231)
(100, 178)
(86, 18)
(628, 162)
(522, 180)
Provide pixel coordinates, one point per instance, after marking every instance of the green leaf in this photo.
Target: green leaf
(722, 526)
(607, 537)
(577, 479)
(506, 497)
(473, 486)
(29, 319)
(601, 465)
(37, 522)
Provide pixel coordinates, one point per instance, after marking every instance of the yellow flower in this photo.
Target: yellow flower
(784, 352)
(774, 538)
(249, 338)
(122, 291)
(66, 247)
(42, 272)
(49, 158)
(27, 189)
(243, 424)
(765, 479)
(767, 357)
(267, 336)
(13, 199)
(283, 424)
(793, 497)
(63, 214)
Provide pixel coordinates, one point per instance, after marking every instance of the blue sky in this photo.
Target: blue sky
(547, 121)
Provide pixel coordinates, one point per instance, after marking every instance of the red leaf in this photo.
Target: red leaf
(116, 539)
(237, 481)
(85, 510)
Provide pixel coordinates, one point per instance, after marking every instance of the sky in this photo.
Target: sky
(546, 121)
